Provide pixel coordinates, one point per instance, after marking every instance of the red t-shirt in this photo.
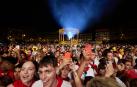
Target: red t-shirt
(9, 73)
(18, 83)
(60, 81)
(131, 74)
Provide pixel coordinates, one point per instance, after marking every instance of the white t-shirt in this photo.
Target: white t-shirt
(121, 84)
(91, 72)
(39, 83)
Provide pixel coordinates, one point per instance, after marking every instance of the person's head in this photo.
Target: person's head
(135, 52)
(13, 54)
(115, 53)
(61, 55)
(102, 70)
(102, 66)
(8, 63)
(102, 82)
(110, 56)
(93, 55)
(121, 64)
(27, 72)
(65, 71)
(128, 64)
(29, 52)
(57, 54)
(17, 69)
(57, 48)
(23, 55)
(68, 48)
(47, 70)
(78, 48)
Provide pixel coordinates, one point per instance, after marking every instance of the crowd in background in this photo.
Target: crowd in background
(81, 65)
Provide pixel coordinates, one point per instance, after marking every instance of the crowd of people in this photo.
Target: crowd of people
(64, 65)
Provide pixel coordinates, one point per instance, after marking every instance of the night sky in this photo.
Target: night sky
(32, 15)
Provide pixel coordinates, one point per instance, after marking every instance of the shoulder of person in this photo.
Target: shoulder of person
(10, 85)
(120, 82)
(66, 84)
(104, 82)
(37, 84)
(14, 83)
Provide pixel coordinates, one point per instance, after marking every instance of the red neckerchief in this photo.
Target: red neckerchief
(94, 66)
(86, 69)
(60, 81)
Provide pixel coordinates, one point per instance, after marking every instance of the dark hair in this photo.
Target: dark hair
(104, 53)
(5, 80)
(102, 63)
(18, 66)
(75, 59)
(87, 78)
(128, 60)
(93, 50)
(103, 82)
(136, 61)
(121, 61)
(36, 65)
(133, 83)
(135, 67)
(33, 62)
(10, 59)
(48, 60)
(36, 76)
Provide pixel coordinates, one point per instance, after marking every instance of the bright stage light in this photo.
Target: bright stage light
(70, 32)
(70, 35)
